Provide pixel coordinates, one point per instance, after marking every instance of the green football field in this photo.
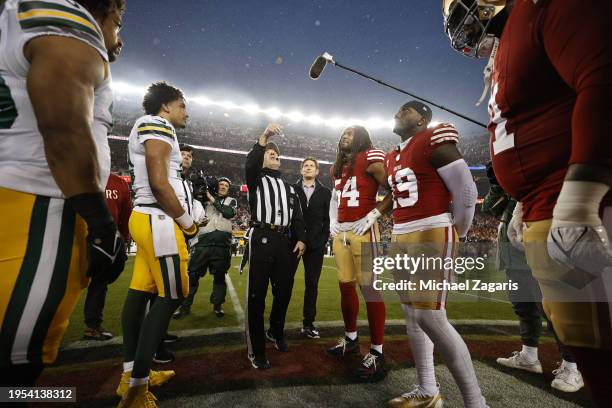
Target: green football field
(461, 306)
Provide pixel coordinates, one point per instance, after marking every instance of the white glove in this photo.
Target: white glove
(577, 237)
(515, 228)
(334, 228)
(361, 226)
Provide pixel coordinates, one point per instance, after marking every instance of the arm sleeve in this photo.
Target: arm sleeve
(125, 211)
(254, 161)
(333, 206)
(227, 211)
(298, 226)
(459, 182)
(577, 40)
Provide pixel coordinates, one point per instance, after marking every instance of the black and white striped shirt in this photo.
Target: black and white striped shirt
(271, 199)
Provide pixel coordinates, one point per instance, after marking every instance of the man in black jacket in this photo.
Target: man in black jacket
(275, 215)
(314, 199)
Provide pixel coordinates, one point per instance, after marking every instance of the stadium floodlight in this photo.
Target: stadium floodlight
(251, 109)
(295, 116)
(274, 113)
(119, 87)
(319, 64)
(315, 120)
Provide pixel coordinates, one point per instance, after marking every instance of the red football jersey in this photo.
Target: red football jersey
(549, 106)
(119, 202)
(418, 190)
(357, 191)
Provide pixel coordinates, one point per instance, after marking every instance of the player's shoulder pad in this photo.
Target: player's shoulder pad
(444, 132)
(375, 155)
(63, 18)
(154, 125)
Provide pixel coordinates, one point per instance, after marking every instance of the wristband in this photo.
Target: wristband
(92, 208)
(578, 204)
(185, 221)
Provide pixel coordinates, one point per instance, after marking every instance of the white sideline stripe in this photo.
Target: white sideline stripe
(85, 344)
(235, 302)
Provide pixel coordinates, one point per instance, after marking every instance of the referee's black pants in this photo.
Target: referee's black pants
(271, 260)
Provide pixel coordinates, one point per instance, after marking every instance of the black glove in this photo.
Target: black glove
(106, 253)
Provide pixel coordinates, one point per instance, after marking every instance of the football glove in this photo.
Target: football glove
(185, 222)
(577, 239)
(334, 228)
(106, 253)
(515, 228)
(361, 226)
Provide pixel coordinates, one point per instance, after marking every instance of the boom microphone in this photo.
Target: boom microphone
(317, 67)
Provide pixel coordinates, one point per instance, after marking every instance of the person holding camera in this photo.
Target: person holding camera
(213, 248)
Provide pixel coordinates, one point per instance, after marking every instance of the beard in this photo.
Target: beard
(114, 52)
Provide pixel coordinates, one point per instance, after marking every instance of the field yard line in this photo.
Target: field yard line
(85, 344)
(235, 302)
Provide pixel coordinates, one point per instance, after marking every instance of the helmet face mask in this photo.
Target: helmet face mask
(466, 22)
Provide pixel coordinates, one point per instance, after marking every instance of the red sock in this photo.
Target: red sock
(376, 314)
(350, 305)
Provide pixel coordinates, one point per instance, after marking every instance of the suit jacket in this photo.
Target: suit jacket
(315, 213)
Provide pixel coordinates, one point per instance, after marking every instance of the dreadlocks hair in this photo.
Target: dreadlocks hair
(361, 142)
(158, 94)
(101, 8)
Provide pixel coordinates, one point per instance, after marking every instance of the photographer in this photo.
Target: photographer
(213, 248)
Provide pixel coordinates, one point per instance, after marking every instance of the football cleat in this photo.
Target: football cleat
(280, 344)
(163, 356)
(218, 311)
(417, 399)
(372, 367)
(138, 397)
(345, 346)
(259, 362)
(97, 333)
(170, 338)
(181, 312)
(518, 360)
(156, 378)
(311, 332)
(567, 380)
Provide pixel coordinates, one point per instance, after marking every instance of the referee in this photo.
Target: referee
(275, 217)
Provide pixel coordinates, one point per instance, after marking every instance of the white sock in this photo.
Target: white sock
(377, 347)
(135, 382)
(570, 366)
(455, 353)
(422, 353)
(128, 366)
(530, 353)
(351, 335)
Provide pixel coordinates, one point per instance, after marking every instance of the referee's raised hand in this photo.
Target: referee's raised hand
(272, 129)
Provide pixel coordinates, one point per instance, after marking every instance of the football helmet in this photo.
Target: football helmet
(467, 24)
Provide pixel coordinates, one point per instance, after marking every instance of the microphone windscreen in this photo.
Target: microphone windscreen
(317, 67)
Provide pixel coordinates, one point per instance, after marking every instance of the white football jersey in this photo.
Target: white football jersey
(153, 127)
(23, 164)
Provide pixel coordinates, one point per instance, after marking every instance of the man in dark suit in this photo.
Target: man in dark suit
(314, 199)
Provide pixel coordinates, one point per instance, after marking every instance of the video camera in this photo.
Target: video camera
(201, 184)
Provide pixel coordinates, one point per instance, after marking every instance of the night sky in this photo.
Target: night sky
(260, 52)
